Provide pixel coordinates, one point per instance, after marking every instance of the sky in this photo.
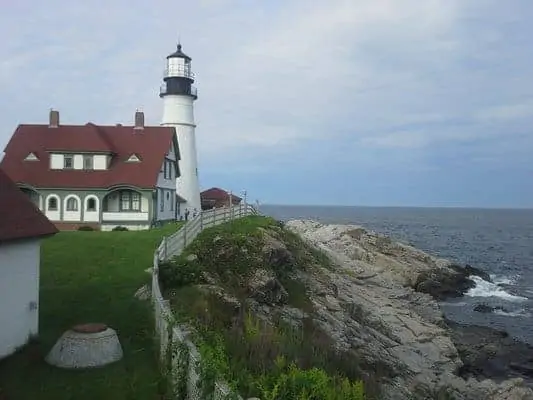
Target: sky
(338, 102)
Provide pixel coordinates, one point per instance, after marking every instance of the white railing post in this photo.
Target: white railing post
(185, 234)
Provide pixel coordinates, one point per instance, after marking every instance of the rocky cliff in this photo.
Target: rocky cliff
(392, 289)
(341, 298)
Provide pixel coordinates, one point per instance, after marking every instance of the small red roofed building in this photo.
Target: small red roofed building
(22, 226)
(216, 197)
(100, 176)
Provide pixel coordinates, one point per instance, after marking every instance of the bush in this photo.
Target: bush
(179, 272)
(120, 228)
(290, 382)
(86, 228)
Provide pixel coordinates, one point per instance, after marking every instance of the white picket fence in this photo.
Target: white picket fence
(169, 334)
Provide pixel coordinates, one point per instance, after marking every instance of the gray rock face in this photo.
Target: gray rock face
(368, 305)
(265, 288)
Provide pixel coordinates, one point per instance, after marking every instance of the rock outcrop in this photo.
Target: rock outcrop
(370, 301)
(378, 302)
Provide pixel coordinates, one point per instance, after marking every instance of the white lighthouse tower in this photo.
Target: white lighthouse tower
(178, 96)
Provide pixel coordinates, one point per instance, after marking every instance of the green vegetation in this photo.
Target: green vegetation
(259, 354)
(91, 277)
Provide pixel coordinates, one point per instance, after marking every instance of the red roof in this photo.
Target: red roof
(217, 194)
(150, 145)
(19, 217)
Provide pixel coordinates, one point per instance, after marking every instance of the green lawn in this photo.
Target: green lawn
(91, 277)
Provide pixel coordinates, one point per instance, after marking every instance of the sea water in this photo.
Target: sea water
(499, 242)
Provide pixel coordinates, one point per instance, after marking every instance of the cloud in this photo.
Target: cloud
(507, 112)
(293, 84)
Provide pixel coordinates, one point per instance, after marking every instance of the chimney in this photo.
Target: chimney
(139, 120)
(54, 119)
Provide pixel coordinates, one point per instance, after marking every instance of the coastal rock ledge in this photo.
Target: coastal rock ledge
(379, 303)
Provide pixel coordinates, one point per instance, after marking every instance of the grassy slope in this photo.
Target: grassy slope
(91, 277)
(230, 253)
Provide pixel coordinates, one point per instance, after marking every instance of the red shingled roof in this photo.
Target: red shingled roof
(217, 194)
(150, 145)
(19, 217)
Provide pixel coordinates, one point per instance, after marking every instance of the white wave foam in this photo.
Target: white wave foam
(489, 289)
(504, 280)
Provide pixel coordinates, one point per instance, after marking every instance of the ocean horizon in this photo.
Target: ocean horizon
(509, 208)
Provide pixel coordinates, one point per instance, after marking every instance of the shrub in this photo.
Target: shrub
(178, 272)
(86, 228)
(120, 229)
(290, 382)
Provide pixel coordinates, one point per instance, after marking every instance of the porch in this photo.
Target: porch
(125, 205)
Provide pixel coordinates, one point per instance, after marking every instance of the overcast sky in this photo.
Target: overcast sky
(357, 102)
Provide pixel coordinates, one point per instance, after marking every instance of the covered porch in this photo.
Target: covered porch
(125, 204)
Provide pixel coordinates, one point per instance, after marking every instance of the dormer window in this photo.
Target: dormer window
(31, 157)
(133, 158)
(87, 162)
(68, 162)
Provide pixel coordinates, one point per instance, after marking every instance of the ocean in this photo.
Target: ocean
(499, 242)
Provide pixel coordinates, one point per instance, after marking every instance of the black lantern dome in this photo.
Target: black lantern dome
(178, 76)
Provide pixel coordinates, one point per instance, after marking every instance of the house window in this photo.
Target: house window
(91, 204)
(52, 204)
(130, 201)
(135, 201)
(72, 204)
(87, 162)
(162, 202)
(172, 200)
(125, 201)
(167, 169)
(68, 161)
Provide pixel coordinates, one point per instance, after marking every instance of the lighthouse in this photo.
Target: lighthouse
(179, 94)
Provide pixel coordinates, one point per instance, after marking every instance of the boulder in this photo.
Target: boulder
(485, 308)
(264, 287)
(275, 253)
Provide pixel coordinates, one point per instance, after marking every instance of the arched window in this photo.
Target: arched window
(72, 204)
(52, 204)
(91, 204)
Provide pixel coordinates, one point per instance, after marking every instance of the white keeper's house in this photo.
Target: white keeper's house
(101, 176)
